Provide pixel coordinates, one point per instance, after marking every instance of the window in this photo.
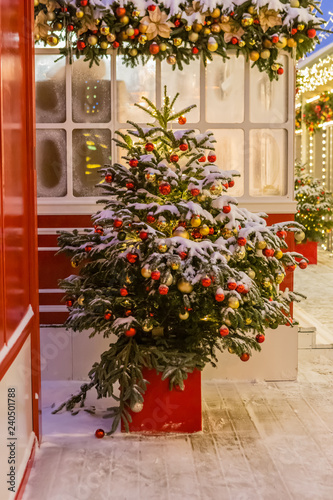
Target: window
(78, 110)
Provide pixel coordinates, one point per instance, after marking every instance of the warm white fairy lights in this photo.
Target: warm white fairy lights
(319, 74)
(310, 154)
(324, 155)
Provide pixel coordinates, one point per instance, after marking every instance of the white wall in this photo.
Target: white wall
(69, 356)
(19, 377)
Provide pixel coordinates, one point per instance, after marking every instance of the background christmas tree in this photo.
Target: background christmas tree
(314, 206)
(172, 269)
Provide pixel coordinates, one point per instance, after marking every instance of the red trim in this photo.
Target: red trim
(63, 221)
(11, 356)
(20, 491)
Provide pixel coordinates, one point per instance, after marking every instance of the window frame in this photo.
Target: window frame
(70, 204)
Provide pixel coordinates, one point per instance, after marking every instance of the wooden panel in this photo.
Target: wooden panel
(52, 268)
(63, 221)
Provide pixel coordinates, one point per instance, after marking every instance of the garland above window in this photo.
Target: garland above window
(180, 31)
(316, 113)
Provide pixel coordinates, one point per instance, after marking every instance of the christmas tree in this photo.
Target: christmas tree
(314, 206)
(172, 269)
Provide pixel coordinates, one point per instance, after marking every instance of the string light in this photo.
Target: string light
(324, 155)
(311, 154)
(320, 73)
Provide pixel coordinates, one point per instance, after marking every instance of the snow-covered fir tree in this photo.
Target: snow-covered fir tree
(172, 270)
(314, 206)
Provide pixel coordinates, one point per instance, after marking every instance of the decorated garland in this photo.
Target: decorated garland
(179, 32)
(316, 113)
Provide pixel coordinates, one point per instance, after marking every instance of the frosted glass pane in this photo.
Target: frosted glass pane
(50, 89)
(268, 162)
(91, 151)
(91, 91)
(225, 90)
(132, 84)
(51, 163)
(187, 83)
(269, 100)
(229, 150)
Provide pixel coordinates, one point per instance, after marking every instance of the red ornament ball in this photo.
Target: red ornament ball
(202, 159)
(99, 230)
(143, 235)
(234, 40)
(241, 242)
(293, 31)
(182, 223)
(81, 45)
(303, 264)
(206, 282)
(70, 27)
(115, 45)
(226, 209)
(268, 252)
(195, 50)
(195, 192)
(130, 186)
(211, 230)
(149, 146)
(224, 331)
(280, 71)
(136, 32)
(281, 234)
(132, 257)
(182, 120)
(211, 158)
(231, 184)
(84, 3)
(182, 255)
(275, 39)
(311, 33)
(150, 219)
(196, 234)
(154, 48)
(245, 356)
(177, 23)
(133, 163)
(69, 302)
(164, 188)
(232, 285)
(108, 178)
(219, 297)
(260, 338)
(87, 248)
(240, 288)
(174, 158)
(99, 433)
(130, 332)
(163, 289)
(120, 11)
(183, 147)
(128, 312)
(108, 315)
(291, 268)
(151, 8)
(117, 223)
(123, 292)
(155, 275)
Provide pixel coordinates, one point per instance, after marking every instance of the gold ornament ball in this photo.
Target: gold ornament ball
(177, 42)
(150, 177)
(188, 28)
(248, 321)
(275, 66)
(137, 407)
(266, 283)
(184, 286)
(37, 37)
(36, 3)
(265, 54)
(300, 40)
(216, 189)
(142, 39)
(212, 45)
(162, 248)
(181, 232)
(224, 19)
(193, 37)
(206, 31)
(123, 35)
(197, 27)
(294, 3)
(147, 325)
(143, 28)
(230, 349)
(74, 263)
(162, 224)
(252, 41)
(215, 28)
(111, 37)
(79, 14)
(133, 52)
(171, 60)
(204, 230)
(92, 40)
(195, 221)
(135, 13)
(278, 254)
(233, 302)
(251, 10)
(292, 43)
(175, 265)
(146, 272)
(267, 44)
(168, 281)
(240, 253)
(251, 274)
(58, 26)
(130, 31)
(279, 278)
(282, 42)
(300, 236)
(124, 20)
(80, 300)
(247, 20)
(163, 46)
(241, 44)
(300, 27)
(216, 13)
(261, 245)
(52, 40)
(184, 316)
(104, 45)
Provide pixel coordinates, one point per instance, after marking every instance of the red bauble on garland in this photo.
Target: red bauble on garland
(87, 248)
(268, 252)
(260, 338)
(303, 264)
(115, 45)
(211, 158)
(107, 315)
(240, 288)
(202, 159)
(123, 292)
(99, 433)
(81, 45)
(155, 275)
(224, 331)
(311, 33)
(183, 147)
(241, 241)
(117, 223)
(150, 219)
(182, 120)
(99, 230)
(143, 235)
(245, 356)
(226, 209)
(151, 8)
(163, 289)
(132, 257)
(219, 297)
(154, 48)
(69, 302)
(280, 71)
(164, 188)
(130, 186)
(183, 255)
(149, 146)
(108, 178)
(130, 332)
(232, 285)
(174, 158)
(133, 163)
(195, 50)
(291, 268)
(231, 184)
(206, 282)
(195, 192)
(281, 234)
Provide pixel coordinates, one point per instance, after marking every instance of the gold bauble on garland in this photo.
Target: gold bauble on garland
(184, 286)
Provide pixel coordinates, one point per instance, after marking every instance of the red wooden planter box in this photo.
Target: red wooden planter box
(309, 250)
(169, 411)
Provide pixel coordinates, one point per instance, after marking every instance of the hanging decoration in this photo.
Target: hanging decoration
(179, 32)
(316, 113)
